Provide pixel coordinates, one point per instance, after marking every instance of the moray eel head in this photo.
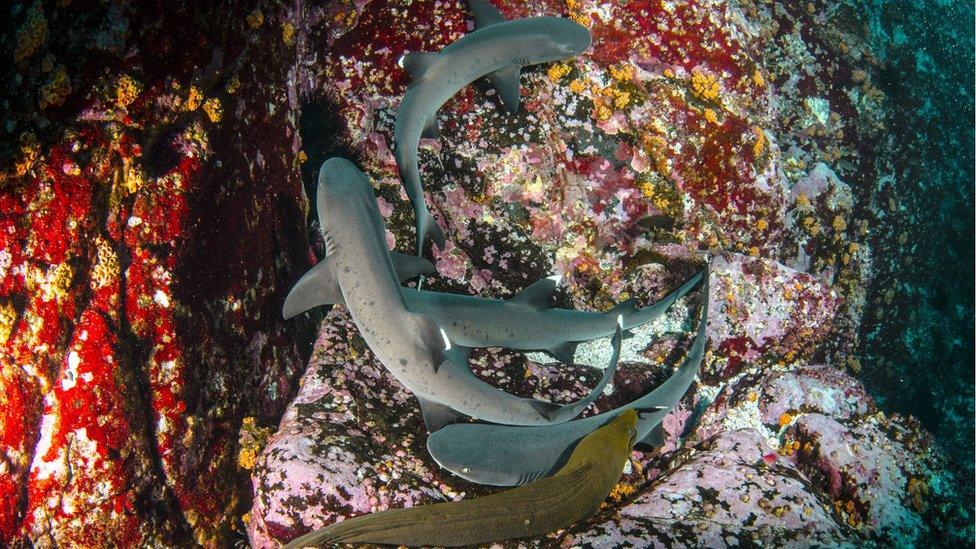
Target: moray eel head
(615, 438)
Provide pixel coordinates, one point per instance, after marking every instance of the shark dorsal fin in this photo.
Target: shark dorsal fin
(507, 82)
(417, 63)
(484, 13)
(537, 295)
(319, 286)
(436, 415)
(625, 308)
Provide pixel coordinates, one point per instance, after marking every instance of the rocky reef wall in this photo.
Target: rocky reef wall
(152, 217)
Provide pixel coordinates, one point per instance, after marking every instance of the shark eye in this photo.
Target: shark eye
(465, 470)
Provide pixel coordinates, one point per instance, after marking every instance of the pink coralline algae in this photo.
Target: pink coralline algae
(765, 312)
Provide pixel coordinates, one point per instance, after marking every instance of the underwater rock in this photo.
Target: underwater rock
(783, 456)
(764, 311)
(353, 441)
(149, 220)
(724, 494)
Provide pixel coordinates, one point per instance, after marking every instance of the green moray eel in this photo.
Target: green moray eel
(573, 494)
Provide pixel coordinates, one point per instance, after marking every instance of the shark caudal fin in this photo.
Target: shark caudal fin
(634, 317)
(319, 286)
(560, 414)
(427, 226)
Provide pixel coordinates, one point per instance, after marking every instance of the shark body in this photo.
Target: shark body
(497, 49)
(359, 273)
(507, 456)
(527, 322)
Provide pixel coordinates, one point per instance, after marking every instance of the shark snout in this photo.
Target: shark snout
(574, 38)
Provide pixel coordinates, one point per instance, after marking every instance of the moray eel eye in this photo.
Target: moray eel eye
(632, 433)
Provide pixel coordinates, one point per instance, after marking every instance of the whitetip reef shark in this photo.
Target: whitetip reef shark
(527, 321)
(497, 49)
(504, 455)
(358, 272)
(523, 322)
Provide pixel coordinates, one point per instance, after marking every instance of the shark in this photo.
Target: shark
(503, 455)
(359, 273)
(524, 322)
(527, 322)
(571, 495)
(497, 49)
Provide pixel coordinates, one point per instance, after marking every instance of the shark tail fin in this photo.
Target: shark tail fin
(427, 226)
(569, 411)
(638, 317)
(319, 286)
(417, 63)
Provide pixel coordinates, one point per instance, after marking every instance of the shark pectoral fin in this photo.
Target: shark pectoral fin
(507, 83)
(436, 415)
(411, 266)
(564, 352)
(484, 13)
(654, 439)
(431, 131)
(433, 338)
(459, 356)
(417, 63)
(538, 294)
(546, 409)
(569, 411)
(319, 286)
(428, 227)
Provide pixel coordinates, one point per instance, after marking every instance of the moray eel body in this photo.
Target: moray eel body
(574, 493)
